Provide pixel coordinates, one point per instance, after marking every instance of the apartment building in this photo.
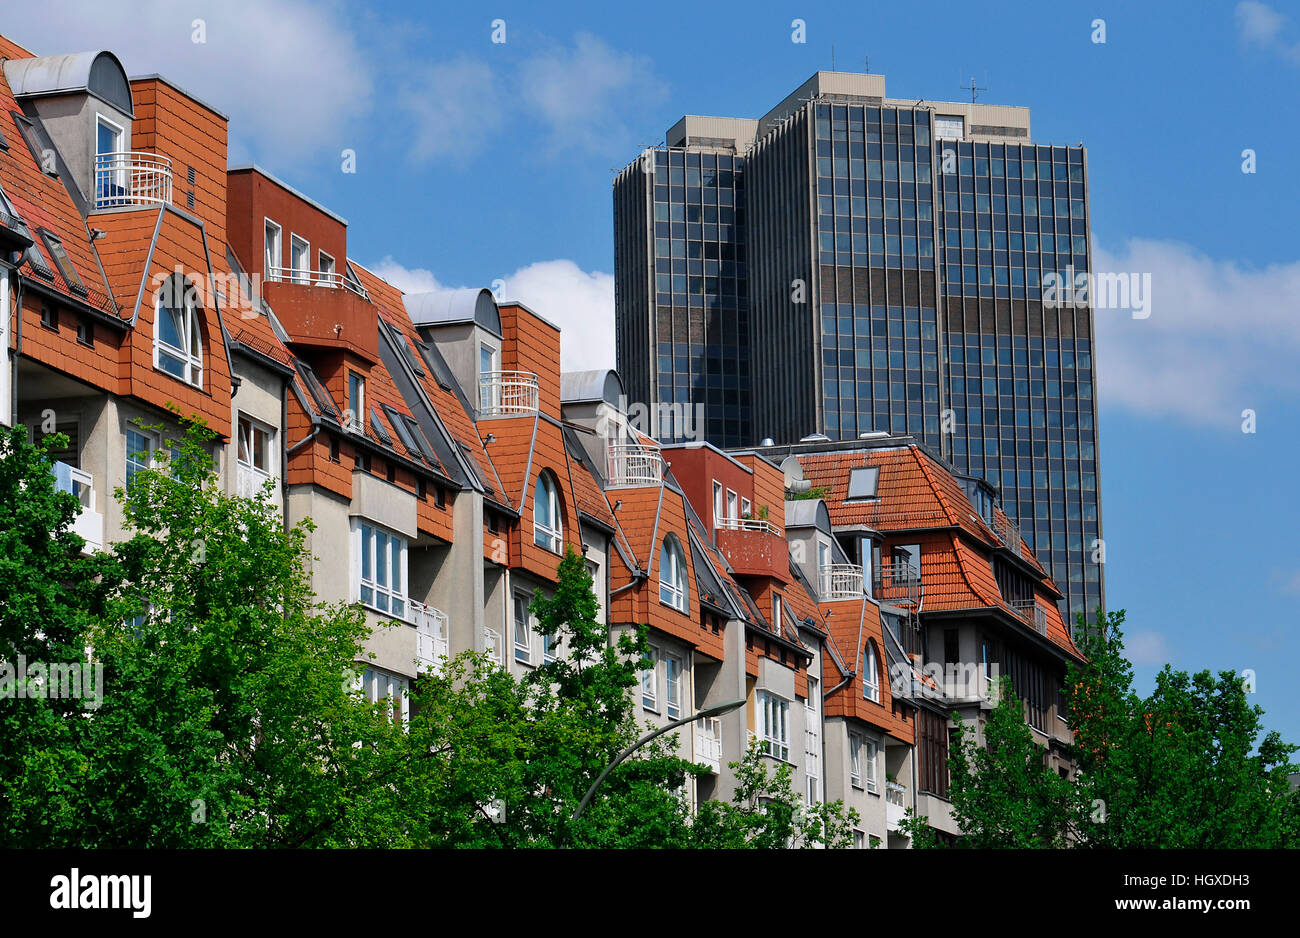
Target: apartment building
(447, 463)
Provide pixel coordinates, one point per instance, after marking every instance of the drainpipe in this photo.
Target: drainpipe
(638, 577)
(17, 282)
(284, 456)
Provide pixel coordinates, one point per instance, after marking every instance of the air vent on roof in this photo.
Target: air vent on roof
(815, 438)
(873, 435)
(190, 176)
(767, 441)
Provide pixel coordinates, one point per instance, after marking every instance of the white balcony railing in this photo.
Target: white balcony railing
(507, 393)
(1033, 614)
(249, 481)
(841, 581)
(331, 279)
(708, 743)
(89, 523)
(895, 804)
(748, 524)
(431, 626)
(132, 178)
(633, 464)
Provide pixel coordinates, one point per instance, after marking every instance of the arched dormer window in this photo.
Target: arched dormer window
(548, 524)
(672, 574)
(871, 672)
(177, 343)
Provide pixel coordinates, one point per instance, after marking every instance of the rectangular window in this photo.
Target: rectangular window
(139, 450)
(673, 686)
(719, 507)
(650, 680)
(776, 613)
(731, 504)
(746, 508)
(869, 765)
(60, 257)
(254, 445)
(356, 402)
(327, 271)
(50, 316)
(523, 630)
(377, 685)
(774, 725)
(862, 482)
(274, 258)
(299, 258)
(86, 332)
(379, 562)
(855, 760)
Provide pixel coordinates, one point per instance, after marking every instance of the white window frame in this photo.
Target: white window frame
(190, 360)
(673, 686)
(673, 579)
(550, 537)
(719, 504)
(489, 392)
(773, 714)
(324, 279)
(376, 684)
(358, 423)
(870, 672)
(120, 173)
(856, 746)
(732, 502)
(650, 680)
(870, 753)
(776, 613)
(523, 651)
(152, 441)
(300, 274)
(246, 440)
(746, 507)
(366, 536)
(274, 259)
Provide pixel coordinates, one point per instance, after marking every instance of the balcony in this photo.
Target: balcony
(840, 581)
(507, 393)
(315, 312)
(249, 481)
(631, 464)
(895, 805)
(492, 645)
(89, 523)
(431, 626)
(1008, 532)
(897, 583)
(754, 547)
(708, 743)
(1033, 614)
(131, 178)
(330, 279)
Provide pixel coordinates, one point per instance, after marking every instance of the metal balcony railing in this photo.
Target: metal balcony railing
(708, 742)
(132, 178)
(492, 645)
(634, 464)
(331, 279)
(841, 581)
(507, 393)
(1008, 532)
(1033, 614)
(748, 524)
(896, 794)
(431, 626)
(897, 583)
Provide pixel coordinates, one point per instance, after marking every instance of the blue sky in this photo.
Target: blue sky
(481, 161)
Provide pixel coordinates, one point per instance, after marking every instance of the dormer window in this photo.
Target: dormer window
(548, 525)
(177, 344)
(60, 257)
(672, 574)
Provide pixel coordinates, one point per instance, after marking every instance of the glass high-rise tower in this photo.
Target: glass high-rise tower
(880, 267)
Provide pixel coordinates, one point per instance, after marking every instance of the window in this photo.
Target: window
(862, 762)
(376, 685)
(523, 630)
(673, 686)
(862, 482)
(86, 332)
(869, 765)
(650, 680)
(377, 427)
(731, 504)
(139, 449)
(111, 166)
(672, 574)
(548, 526)
(949, 127)
(489, 391)
(327, 270)
(774, 725)
(932, 752)
(50, 316)
(379, 559)
(60, 257)
(719, 509)
(177, 345)
(254, 444)
(549, 646)
(812, 746)
(859, 840)
(745, 508)
(299, 258)
(356, 402)
(855, 760)
(274, 259)
(43, 156)
(907, 562)
(871, 672)
(776, 613)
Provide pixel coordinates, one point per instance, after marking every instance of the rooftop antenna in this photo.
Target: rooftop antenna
(973, 89)
(866, 64)
(832, 56)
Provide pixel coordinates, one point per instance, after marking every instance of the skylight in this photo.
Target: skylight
(862, 482)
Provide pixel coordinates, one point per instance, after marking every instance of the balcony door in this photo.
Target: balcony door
(489, 363)
(110, 163)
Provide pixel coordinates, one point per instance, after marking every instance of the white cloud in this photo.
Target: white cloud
(581, 303)
(1259, 24)
(580, 94)
(455, 106)
(1220, 337)
(290, 74)
(1146, 648)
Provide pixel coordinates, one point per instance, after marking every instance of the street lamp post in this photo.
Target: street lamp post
(714, 711)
